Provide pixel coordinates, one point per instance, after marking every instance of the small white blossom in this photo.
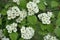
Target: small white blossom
(40, 16)
(13, 12)
(4, 38)
(27, 32)
(30, 13)
(36, 1)
(17, 1)
(16, 10)
(32, 7)
(45, 17)
(18, 20)
(50, 37)
(11, 27)
(23, 29)
(49, 14)
(22, 16)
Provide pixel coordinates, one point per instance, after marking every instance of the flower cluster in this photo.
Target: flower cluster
(49, 37)
(4, 38)
(23, 15)
(13, 12)
(17, 1)
(27, 33)
(45, 17)
(32, 7)
(11, 27)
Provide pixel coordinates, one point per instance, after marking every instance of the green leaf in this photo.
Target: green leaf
(3, 12)
(5, 32)
(58, 22)
(32, 20)
(58, 15)
(23, 3)
(45, 27)
(43, 32)
(41, 6)
(21, 39)
(7, 5)
(54, 4)
(57, 31)
(58, 19)
(49, 27)
(22, 23)
(13, 36)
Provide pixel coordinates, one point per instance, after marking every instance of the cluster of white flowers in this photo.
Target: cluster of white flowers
(23, 15)
(32, 7)
(1, 33)
(13, 12)
(11, 27)
(27, 33)
(4, 38)
(45, 17)
(17, 1)
(49, 37)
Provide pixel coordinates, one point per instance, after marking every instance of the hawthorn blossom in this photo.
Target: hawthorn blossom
(45, 17)
(27, 32)
(11, 28)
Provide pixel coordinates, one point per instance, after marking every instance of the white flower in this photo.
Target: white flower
(9, 14)
(22, 16)
(14, 25)
(8, 27)
(4, 38)
(15, 29)
(13, 12)
(17, 1)
(18, 20)
(16, 10)
(48, 22)
(11, 27)
(36, 1)
(45, 17)
(1, 33)
(32, 7)
(40, 16)
(27, 33)
(50, 37)
(49, 14)
(30, 13)
(23, 30)
(54, 38)
(45, 20)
